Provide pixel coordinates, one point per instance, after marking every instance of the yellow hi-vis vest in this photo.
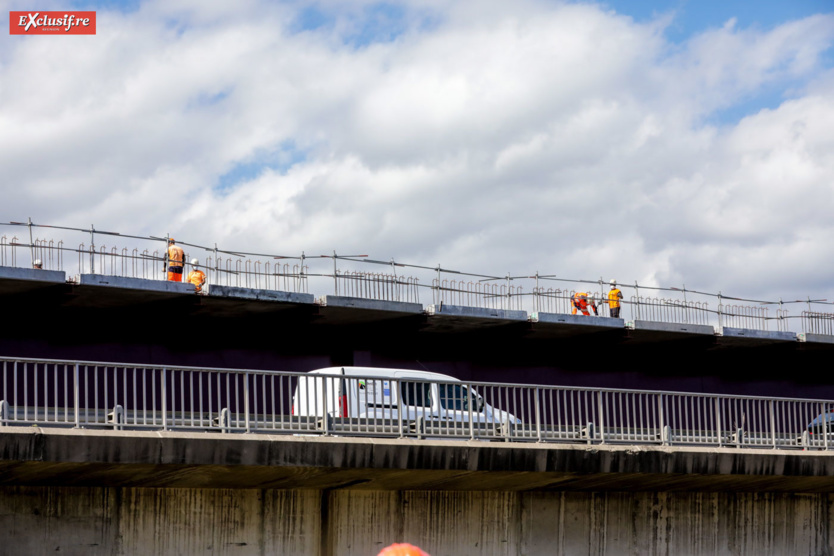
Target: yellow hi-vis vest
(614, 297)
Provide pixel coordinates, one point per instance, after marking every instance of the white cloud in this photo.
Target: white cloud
(499, 137)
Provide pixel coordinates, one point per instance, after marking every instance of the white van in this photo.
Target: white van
(367, 392)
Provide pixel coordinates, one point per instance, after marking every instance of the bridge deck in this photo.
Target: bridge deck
(75, 457)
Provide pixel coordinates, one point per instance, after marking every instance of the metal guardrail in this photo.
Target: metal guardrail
(376, 285)
(144, 256)
(814, 322)
(145, 397)
(476, 294)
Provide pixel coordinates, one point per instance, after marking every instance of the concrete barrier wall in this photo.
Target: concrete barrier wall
(94, 521)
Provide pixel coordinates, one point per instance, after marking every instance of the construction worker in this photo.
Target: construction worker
(614, 297)
(402, 549)
(38, 264)
(581, 300)
(196, 276)
(175, 260)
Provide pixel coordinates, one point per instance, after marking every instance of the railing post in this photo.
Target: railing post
(639, 315)
(246, 400)
(718, 421)
(772, 422)
(76, 403)
(216, 266)
(400, 407)
(164, 390)
(300, 281)
(92, 249)
(538, 417)
(396, 282)
(536, 294)
(824, 426)
(325, 414)
(469, 401)
(4, 411)
(335, 274)
(118, 417)
(661, 421)
(601, 418)
(439, 299)
(31, 242)
(225, 420)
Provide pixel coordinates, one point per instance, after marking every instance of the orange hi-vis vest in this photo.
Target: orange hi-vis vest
(580, 299)
(198, 278)
(175, 256)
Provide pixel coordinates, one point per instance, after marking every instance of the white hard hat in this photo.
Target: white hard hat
(613, 282)
(38, 262)
(195, 261)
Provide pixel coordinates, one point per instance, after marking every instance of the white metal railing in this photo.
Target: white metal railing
(376, 285)
(669, 310)
(487, 295)
(814, 322)
(121, 396)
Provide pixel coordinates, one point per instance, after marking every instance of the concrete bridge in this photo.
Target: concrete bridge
(85, 491)
(151, 322)
(105, 492)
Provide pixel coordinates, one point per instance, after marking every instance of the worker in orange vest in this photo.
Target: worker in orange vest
(196, 276)
(402, 549)
(614, 297)
(581, 300)
(175, 261)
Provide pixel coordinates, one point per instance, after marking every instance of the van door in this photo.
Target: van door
(376, 399)
(455, 401)
(416, 400)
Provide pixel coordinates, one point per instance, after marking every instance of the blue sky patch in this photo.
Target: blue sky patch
(279, 161)
(312, 18)
(694, 16)
(124, 6)
(377, 23)
(205, 99)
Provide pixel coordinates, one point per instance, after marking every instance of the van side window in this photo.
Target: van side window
(453, 396)
(416, 394)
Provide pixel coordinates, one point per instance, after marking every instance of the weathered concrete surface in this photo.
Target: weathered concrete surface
(583, 320)
(91, 492)
(819, 338)
(759, 334)
(260, 295)
(70, 457)
(674, 327)
(135, 283)
(13, 273)
(475, 312)
(122, 521)
(374, 304)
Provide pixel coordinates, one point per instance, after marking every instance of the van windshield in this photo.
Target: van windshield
(416, 393)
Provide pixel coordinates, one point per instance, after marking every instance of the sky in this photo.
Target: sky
(669, 142)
